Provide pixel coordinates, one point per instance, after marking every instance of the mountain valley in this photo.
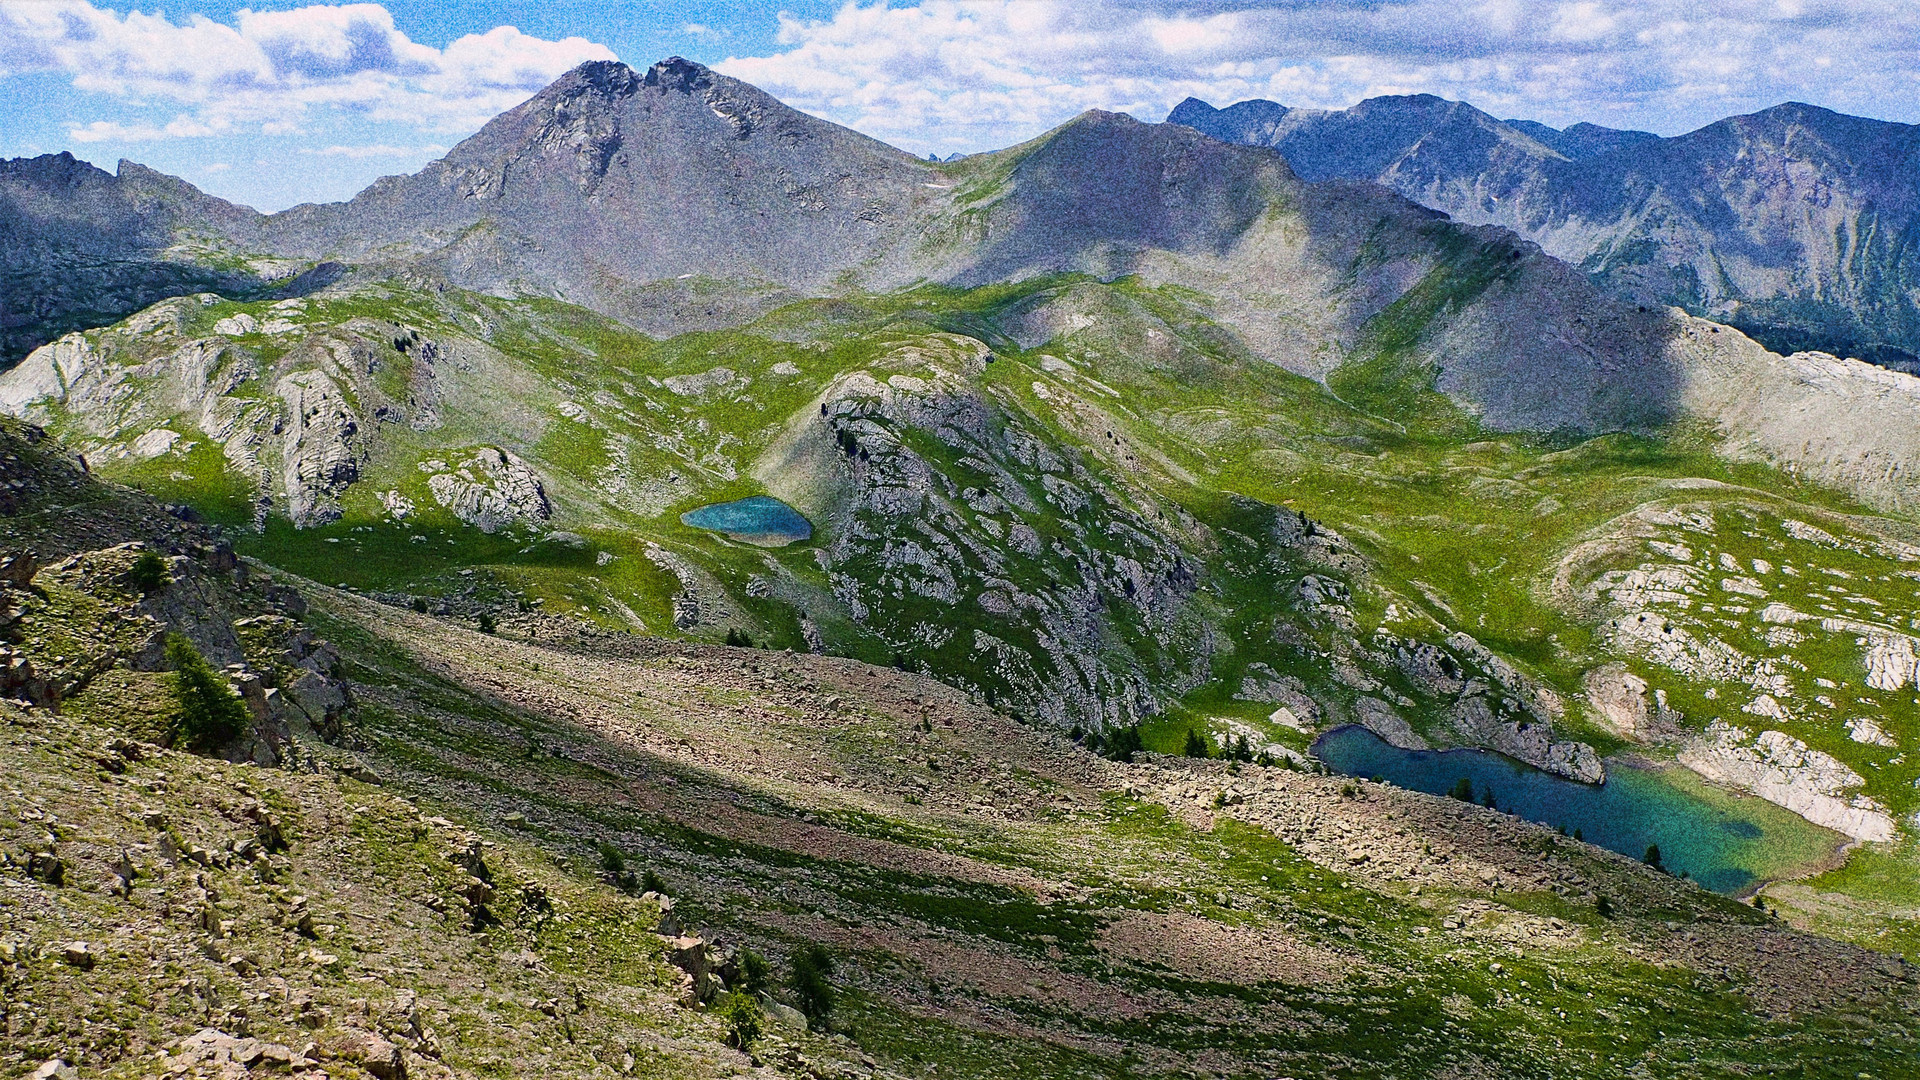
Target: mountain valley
(1135, 460)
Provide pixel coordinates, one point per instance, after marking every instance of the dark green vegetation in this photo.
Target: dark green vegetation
(210, 714)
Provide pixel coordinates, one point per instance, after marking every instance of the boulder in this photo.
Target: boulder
(369, 1051)
(1619, 698)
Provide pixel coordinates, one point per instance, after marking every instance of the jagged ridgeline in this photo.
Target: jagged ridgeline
(1795, 224)
(1122, 425)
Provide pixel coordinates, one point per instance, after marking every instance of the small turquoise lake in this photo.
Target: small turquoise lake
(759, 519)
(1726, 842)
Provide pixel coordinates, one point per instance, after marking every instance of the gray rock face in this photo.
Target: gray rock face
(318, 451)
(1794, 224)
(492, 490)
(1783, 770)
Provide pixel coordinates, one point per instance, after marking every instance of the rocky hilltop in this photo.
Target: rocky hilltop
(1793, 224)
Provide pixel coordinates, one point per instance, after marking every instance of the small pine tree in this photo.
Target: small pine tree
(1652, 857)
(148, 572)
(486, 622)
(611, 860)
(1578, 835)
(1124, 743)
(1462, 790)
(1196, 745)
(651, 882)
(741, 1012)
(811, 984)
(210, 713)
(613, 869)
(1486, 799)
(1603, 907)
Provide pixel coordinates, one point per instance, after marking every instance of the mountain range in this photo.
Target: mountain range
(1796, 224)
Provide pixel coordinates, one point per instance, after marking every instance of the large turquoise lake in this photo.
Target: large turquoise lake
(758, 519)
(1726, 842)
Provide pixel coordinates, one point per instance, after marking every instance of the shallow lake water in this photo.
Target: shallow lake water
(1727, 842)
(758, 519)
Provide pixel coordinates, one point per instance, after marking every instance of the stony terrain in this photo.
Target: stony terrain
(423, 891)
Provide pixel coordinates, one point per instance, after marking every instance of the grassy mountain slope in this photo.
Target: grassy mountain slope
(997, 901)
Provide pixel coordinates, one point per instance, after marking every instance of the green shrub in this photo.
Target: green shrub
(739, 637)
(1603, 907)
(1652, 857)
(1462, 790)
(613, 869)
(811, 984)
(741, 1011)
(651, 882)
(210, 713)
(148, 572)
(754, 972)
(486, 622)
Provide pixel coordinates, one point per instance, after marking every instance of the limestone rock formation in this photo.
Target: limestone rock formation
(1783, 770)
(490, 490)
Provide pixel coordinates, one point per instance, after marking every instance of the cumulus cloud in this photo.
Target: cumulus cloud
(974, 74)
(269, 71)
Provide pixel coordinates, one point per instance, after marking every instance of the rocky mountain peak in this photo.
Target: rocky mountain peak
(606, 78)
(679, 73)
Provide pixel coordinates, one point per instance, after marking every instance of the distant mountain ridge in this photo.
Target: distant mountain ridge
(1796, 224)
(82, 247)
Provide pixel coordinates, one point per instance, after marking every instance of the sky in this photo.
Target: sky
(275, 103)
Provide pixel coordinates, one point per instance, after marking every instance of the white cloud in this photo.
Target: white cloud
(376, 150)
(105, 130)
(975, 74)
(270, 71)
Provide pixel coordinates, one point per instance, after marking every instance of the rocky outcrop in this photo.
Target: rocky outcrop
(1381, 719)
(490, 490)
(1785, 771)
(1619, 699)
(319, 456)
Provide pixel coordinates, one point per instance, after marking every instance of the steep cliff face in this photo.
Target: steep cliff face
(1795, 224)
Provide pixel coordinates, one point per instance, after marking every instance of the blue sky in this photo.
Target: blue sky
(272, 103)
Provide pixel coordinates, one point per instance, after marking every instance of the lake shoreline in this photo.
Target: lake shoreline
(1730, 841)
